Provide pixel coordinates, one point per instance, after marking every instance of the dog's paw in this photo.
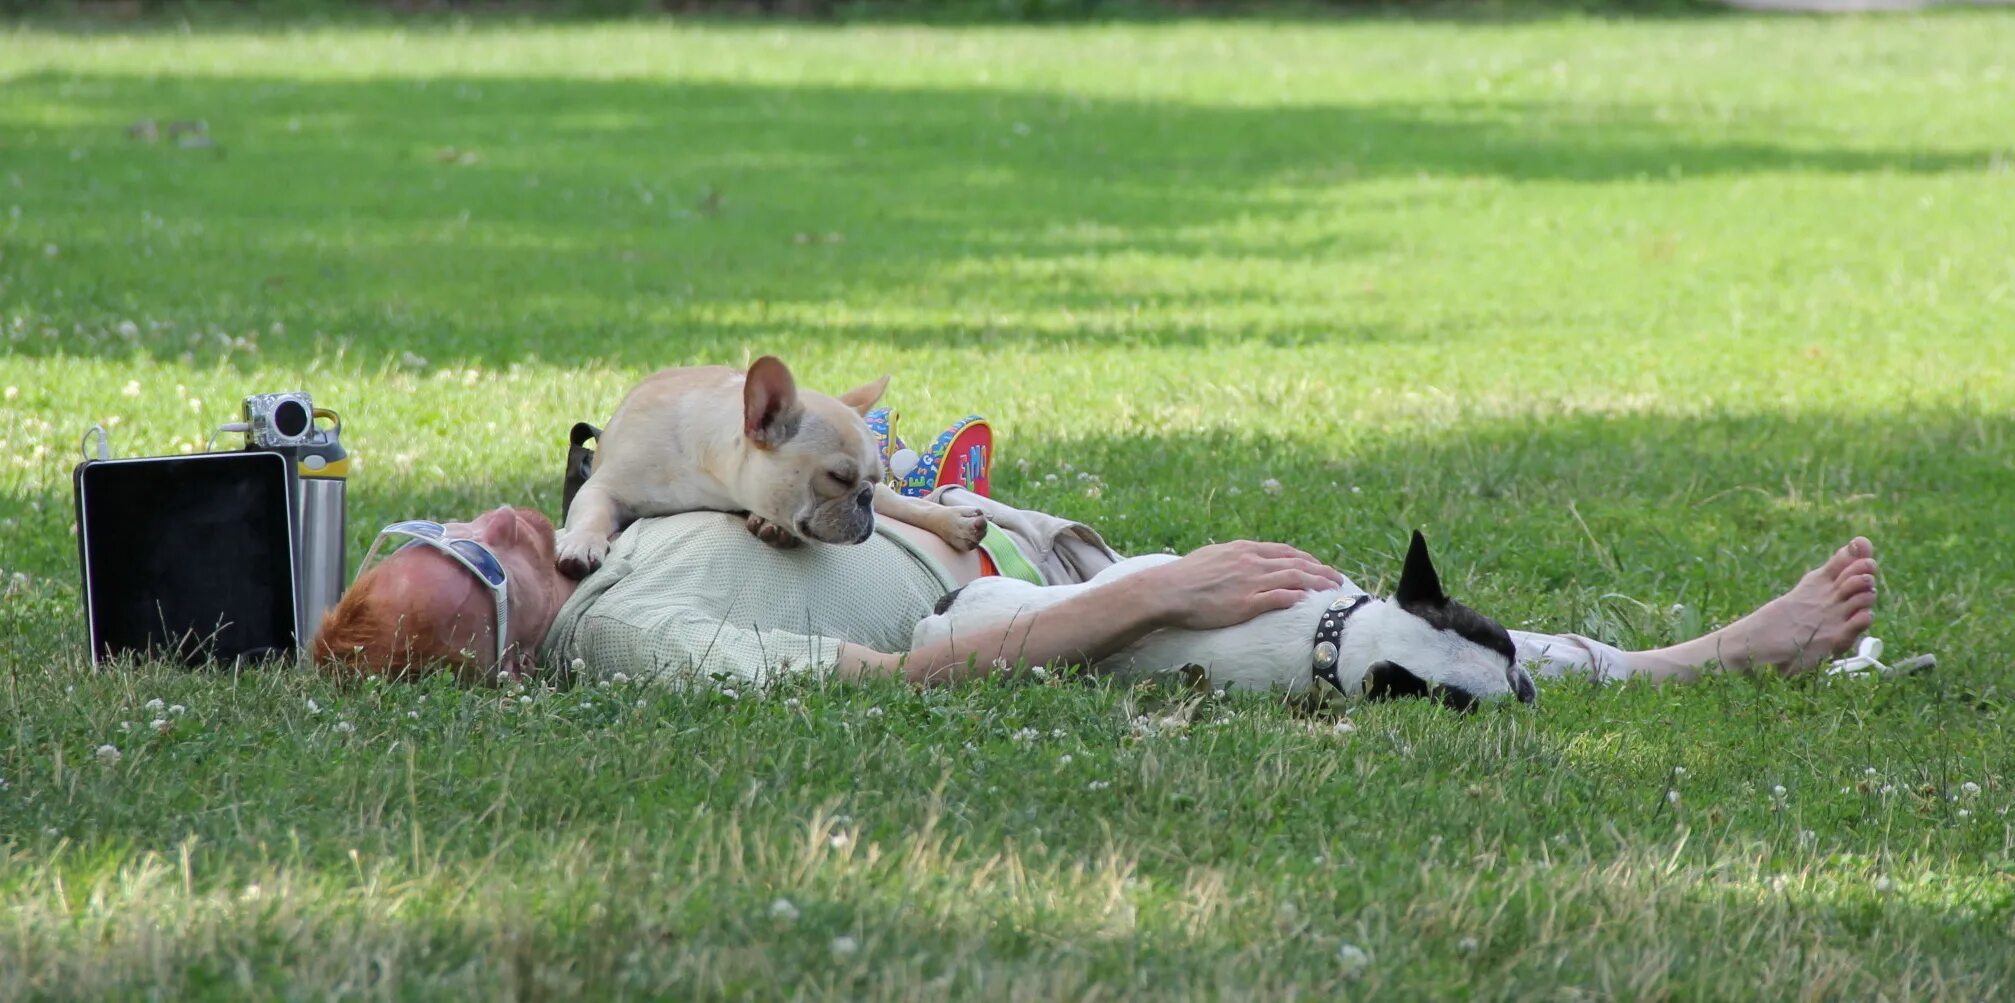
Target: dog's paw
(578, 554)
(962, 527)
(771, 533)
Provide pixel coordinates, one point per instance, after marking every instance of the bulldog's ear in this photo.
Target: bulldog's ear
(1418, 583)
(864, 397)
(770, 408)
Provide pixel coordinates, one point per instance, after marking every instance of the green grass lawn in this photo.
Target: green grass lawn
(1637, 320)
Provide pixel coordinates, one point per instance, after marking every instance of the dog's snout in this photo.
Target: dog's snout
(1521, 684)
(866, 499)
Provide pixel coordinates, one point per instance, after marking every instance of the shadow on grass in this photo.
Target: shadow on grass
(492, 220)
(159, 17)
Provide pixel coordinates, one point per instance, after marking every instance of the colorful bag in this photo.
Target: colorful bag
(962, 455)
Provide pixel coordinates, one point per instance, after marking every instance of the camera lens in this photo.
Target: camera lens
(290, 419)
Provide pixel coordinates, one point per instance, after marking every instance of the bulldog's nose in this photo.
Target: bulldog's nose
(866, 498)
(1521, 684)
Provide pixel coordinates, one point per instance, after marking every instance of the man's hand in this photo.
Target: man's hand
(1229, 583)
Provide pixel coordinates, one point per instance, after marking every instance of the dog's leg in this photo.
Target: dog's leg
(591, 521)
(959, 526)
(771, 533)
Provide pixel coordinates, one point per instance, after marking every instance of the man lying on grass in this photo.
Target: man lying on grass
(696, 597)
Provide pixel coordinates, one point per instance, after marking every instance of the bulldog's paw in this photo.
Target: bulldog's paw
(771, 533)
(962, 527)
(577, 555)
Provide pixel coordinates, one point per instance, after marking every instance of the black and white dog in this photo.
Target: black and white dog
(1417, 643)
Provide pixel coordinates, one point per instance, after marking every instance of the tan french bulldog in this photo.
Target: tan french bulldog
(712, 437)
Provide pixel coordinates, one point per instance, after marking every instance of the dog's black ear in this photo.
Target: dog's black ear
(1418, 583)
(580, 463)
(770, 408)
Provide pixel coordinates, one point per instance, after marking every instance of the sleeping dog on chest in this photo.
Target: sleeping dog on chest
(802, 465)
(1340, 641)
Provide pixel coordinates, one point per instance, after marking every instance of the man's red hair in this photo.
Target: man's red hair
(368, 634)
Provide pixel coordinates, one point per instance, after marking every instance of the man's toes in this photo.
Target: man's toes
(1856, 549)
(1859, 600)
(1854, 585)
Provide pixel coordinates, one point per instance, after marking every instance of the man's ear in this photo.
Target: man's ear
(770, 408)
(863, 398)
(1418, 583)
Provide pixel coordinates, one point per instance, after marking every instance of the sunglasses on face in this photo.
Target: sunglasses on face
(470, 554)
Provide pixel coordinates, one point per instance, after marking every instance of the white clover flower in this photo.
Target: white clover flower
(1963, 813)
(620, 678)
(131, 389)
(1064, 760)
(1777, 791)
(10, 393)
(578, 664)
(1468, 945)
(108, 754)
(1038, 671)
(1058, 733)
(160, 724)
(1352, 959)
(783, 909)
(845, 946)
(970, 747)
(156, 704)
(1969, 788)
(1672, 796)
(874, 712)
(1098, 785)
(1869, 772)
(345, 727)
(1271, 486)
(525, 699)
(177, 710)
(1026, 735)
(731, 693)
(792, 703)
(413, 715)
(1343, 727)
(1679, 772)
(1883, 885)
(1888, 789)
(313, 707)
(838, 840)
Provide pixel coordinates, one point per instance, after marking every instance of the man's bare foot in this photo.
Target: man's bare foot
(1822, 616)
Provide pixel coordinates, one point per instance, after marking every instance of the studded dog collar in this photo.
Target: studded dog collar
(1329, 637)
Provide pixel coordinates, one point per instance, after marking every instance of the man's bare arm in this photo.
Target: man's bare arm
(1217, 586)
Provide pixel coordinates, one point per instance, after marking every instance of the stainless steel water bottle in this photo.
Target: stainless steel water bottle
(324, 467)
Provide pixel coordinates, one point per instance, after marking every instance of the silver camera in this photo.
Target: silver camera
(278, 421)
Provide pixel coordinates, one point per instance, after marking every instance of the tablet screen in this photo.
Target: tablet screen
(188, 557)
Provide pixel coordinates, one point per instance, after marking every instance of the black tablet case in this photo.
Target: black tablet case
(188, 557)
